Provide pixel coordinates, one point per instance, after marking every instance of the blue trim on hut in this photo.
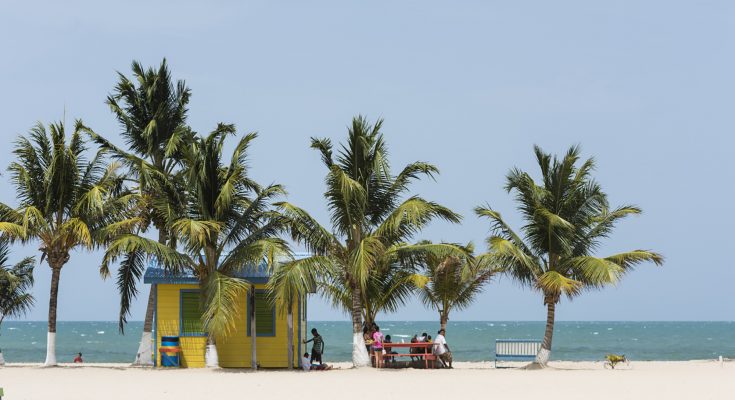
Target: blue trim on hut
(157, 274)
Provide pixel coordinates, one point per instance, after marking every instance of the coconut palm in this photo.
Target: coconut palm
(151, 109)
(371, 221)
(15, 282)
(454, 281)
(388, 288)
(65, 202)
(226, 227)
(566, 217)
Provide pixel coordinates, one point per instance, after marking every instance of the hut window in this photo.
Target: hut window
(265, 315)
(191, 313)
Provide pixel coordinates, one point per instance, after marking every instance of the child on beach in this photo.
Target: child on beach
(78, 359)
(306, 364)
(317, 349)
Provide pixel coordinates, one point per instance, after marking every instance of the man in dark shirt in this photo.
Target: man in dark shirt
(317, 349)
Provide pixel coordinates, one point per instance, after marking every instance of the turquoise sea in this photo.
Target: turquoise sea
(470, 341)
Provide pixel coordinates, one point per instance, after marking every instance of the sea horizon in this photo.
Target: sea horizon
(100, 341)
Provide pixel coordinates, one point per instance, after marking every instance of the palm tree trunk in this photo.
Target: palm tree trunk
(360, 356)
(211, 360)
(443, 319)
(51, 337)
(253, 332)
(289, 318)
(144, 356)
(542, 358)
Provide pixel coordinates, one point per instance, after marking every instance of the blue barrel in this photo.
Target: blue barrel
(170, 351)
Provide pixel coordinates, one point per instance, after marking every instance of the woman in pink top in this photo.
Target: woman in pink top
(377, 345)
(377, 339)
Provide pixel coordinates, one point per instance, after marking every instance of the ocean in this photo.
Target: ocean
(23, 341)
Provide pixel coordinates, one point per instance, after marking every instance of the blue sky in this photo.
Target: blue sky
(647, 88)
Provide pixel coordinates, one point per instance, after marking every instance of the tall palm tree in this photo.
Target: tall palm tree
(151, 109)
(226, 227)
(371, 220)
(453, 281)
(565, 218)
(15, 282)
(65, 202)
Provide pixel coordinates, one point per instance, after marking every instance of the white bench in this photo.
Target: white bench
(516, 350)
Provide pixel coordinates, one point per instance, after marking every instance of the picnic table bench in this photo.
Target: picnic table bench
(425, 352)
(516, 350)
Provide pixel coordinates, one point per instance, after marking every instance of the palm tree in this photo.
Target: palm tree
(388, 288)
(565, 219)
(65, 202)
(453, 281)
(151, 110)
(15, 281)
(226, 227)
(371, 222)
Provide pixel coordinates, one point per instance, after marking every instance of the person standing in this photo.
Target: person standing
(377, 345)
(317, 349)
(441, 349)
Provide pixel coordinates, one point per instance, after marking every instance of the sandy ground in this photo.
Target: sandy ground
(563, 380)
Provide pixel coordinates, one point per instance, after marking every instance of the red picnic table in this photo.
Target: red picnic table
(424, 351)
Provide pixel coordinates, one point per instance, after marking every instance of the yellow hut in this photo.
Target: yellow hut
(178, 313)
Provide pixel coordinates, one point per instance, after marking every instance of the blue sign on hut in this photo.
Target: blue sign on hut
(178, 314)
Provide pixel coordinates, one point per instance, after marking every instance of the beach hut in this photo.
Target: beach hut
(178, 314)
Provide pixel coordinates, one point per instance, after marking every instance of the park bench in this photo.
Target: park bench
(516, 350)
(425, 353)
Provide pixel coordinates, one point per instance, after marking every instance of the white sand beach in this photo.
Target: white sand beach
(563, 380)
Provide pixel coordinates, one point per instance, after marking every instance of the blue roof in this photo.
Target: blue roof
(256, 274)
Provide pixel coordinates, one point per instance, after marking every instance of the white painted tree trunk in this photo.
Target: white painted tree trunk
(144, 356)
(50, 350)
(145, 350)
(210, 356)
(542, 357)
(360, 356)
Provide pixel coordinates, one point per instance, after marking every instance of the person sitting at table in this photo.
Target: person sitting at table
(414, 350)
(387, 348)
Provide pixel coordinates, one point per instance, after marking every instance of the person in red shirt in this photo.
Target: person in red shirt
(78, 358)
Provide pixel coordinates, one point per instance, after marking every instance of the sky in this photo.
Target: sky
(645, 87)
